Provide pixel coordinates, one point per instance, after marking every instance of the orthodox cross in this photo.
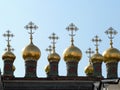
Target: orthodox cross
(49, 49)
(31, 26)
(96, 39)
(0, 74)
(89, 52)
(72, 28)
(111, 32)
(53, 37)
(8, 35)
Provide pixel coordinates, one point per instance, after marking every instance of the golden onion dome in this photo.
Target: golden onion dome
(8, 55)
(72, 53)
(89, 69)
(54, 57)
(47, 69)
(97, 58)
(13, 68)
(31, 52)
(111, 55)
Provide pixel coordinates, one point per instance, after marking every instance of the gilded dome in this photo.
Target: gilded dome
(31, 52)
(47, 69)
(8, 55)
(111, 55)
(54, 57)
(13, 68)
(89, 69)
(72, 53)
(97, 58)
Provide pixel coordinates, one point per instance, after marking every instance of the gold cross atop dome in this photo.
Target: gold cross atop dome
(8, 35)
(53, 37)
(49, 49)
(89, 52)
(96, 39)
(111, 32)
(31, 26)
(72, 28)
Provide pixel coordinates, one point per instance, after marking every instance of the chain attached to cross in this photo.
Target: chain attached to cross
(96, 39)
(53, 37)
(89, 52)
(8, 35)
(49, 49)
(72, 28)
(31, 26)
(111, 32)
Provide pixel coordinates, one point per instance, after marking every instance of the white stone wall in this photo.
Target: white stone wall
(113, 87)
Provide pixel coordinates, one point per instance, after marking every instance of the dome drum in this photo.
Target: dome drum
(8, 58)
(112, 69)
(97, 69)
(8, 69)
(52, 68)
(72, 68)
(72, 56)
(30, 69)
(111, 58)
(31, 54)
(53, 72)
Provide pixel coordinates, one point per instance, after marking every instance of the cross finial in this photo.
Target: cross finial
(111, 32)
(8, 35)
(0, 72)
(89, 52)
(49, 49)
(31, 26)
(53, 37)
(72, 28)
(96, 39)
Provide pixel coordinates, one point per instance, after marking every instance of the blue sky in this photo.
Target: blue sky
(92, 17)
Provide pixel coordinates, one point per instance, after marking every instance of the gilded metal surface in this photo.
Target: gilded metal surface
(31, 52)
(96, 39)
(97, 58)
(8, 35)
(90, 52)
(72, 53)
(53, 37)
(111, 55)
(31, 26)
(72, 28)
(13, 68)
(49, 49)
(8, 56)
(47, 68)
(89, 69)
(54, 57)
(111, 32)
